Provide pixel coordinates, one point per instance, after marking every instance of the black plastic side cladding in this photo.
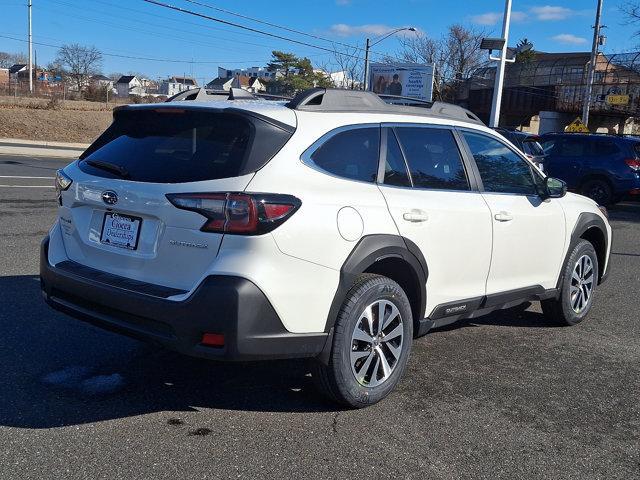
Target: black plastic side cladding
(369, 250)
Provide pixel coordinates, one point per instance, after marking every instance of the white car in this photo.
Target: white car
(335, 227)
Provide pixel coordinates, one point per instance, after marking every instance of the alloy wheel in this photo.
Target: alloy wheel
(376, 343)
(582, 281)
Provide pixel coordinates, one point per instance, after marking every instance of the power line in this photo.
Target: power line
(282, 27)
(131, 57)
(233, 24)
(148, 32)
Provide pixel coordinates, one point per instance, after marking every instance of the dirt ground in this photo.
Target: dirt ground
(69, 121)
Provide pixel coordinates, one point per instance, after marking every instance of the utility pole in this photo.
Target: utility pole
(499, 81)
(30, 52)
(592, 66)
(366, 65)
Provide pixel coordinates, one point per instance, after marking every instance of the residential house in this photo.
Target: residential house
(175, 85)
(129, 85)
(250, 84)
(19, 71)
(258, 72)
(101, 81)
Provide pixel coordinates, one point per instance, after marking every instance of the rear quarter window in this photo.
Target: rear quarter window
(351, 154)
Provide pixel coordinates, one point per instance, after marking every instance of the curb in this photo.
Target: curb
(16, 142)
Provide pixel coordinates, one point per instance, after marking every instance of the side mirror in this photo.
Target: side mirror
(554, 188)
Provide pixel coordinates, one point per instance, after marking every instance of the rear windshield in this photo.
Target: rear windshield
(173, 145)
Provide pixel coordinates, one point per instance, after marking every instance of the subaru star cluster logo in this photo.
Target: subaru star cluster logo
(110, 197)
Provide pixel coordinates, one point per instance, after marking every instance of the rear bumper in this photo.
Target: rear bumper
(232, 306)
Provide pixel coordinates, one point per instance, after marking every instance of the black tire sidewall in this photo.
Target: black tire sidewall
(381, 288)
(580, 249)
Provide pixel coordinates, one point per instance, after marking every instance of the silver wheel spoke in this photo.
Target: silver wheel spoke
(381, 308)
(358, 354)
(575, 276)
(386, 368)
(395, 351)
(389, 318)
(393, 334)
(358, 334)
(368, 317)
(364, 368)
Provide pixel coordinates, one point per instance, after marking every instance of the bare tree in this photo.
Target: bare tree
(454, 56)
(349, 61)
(79, 62)
(631, 10)
(8, 59)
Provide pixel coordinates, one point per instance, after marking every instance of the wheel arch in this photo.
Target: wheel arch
(590, 227)
(393, 256)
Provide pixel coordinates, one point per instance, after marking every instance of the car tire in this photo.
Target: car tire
(598, 190)
(579, 280)
(363, 368)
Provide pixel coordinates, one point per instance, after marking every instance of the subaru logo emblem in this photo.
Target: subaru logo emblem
(110, 197)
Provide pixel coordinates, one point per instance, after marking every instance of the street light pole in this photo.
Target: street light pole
(30, 52)
(499, 81)
(366, 65)
(369, 45)
(592, 66)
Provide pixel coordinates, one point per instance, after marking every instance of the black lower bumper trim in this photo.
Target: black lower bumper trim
(232, 306)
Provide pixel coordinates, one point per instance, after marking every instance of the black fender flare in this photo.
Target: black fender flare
(369, 250)
(586, 220)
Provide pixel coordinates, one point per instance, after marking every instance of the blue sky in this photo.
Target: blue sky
(175, 43)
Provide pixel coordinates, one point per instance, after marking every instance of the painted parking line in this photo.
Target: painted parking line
(27, 186)
(19, 176)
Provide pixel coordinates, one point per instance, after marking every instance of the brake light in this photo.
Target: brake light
(633, 163)
(238, 213)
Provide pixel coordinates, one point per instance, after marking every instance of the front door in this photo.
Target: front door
(528, 232)
(435, 205)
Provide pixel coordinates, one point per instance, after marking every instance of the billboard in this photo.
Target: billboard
(402, 79)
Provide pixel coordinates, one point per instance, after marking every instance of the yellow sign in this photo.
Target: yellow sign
(617, 99)
(576, 127)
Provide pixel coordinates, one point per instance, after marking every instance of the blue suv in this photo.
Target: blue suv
(605, 168)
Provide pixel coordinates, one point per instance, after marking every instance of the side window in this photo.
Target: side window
(433, 158)
(395, 169)
(350, 154)
(574, 147)
(501, 170)
(605, 148)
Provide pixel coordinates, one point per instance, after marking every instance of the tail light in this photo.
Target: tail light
(62, 182)
(239, 213)
(633, 163)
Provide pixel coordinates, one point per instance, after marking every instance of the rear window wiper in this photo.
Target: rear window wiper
(109, 167)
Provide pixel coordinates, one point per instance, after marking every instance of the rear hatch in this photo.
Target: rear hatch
(116, 216)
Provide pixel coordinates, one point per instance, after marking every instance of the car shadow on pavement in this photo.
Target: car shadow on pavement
(57, 371)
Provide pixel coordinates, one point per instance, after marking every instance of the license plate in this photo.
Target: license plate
(120, 230)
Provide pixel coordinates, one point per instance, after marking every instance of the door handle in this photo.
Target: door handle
(503, 217)
(415, 216)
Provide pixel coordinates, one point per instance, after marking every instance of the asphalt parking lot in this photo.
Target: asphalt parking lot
(505, 396)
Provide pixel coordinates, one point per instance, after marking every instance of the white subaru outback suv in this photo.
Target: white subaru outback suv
(335, 227)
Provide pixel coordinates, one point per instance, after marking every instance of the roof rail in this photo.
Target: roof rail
(340, 100)
(204, 95)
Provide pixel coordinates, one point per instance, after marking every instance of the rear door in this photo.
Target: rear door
(566, 156)
(528, 232)
(434, 203)
(116, 216)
